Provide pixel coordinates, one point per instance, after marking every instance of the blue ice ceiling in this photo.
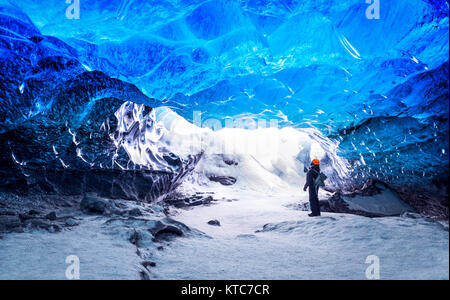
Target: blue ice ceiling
(306, 63)
(378, 87)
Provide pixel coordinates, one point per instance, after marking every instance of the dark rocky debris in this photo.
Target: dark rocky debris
(339, 201)
(224, 180)
(214, 223)
(180, 201)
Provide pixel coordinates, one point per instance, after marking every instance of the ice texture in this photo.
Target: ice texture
(106, 103)
(68, 130)
(375, 89)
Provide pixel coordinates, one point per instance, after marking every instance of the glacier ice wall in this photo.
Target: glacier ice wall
(376, 88)
(68, 130)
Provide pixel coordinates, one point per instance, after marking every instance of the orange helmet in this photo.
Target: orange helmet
(315, 161)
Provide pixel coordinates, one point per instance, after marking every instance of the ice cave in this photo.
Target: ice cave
(171, 139)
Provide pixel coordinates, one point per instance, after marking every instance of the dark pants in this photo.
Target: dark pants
(314, 201)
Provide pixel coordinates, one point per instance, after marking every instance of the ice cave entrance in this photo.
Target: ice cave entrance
(259, 153)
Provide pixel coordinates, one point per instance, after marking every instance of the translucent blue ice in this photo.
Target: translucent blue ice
(379, 87)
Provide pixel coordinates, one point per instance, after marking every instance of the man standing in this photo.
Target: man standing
(311, 177)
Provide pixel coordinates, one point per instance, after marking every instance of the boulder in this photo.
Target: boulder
(33, 212)
(94, 205)
(10, 223)
(223, 180)
(51, 216)
(214, 223)
(163, 230)
(180, 201)
(168, 230)
(71, 222)
(374, 199)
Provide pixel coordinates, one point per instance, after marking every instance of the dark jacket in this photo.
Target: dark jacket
(313, 190)
(311, 176)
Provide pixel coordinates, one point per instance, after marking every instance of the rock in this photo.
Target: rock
(324, 206)
(224, 180)
(411, 215)
(93, 204)
(136, 235)
(71, 222)
(180, 225)
(135, 212)
(24, 217)
(33, 212)
(170, 230)
(147, 264)
(54, 228)
(180, 201)
(134, 238)
(162, 231)
(196, 203)
(208, 200)
(42, 224)
(10, 223)
(51, 216)
(230, 162)
(214, 223)
(144, 275)
(375, 199)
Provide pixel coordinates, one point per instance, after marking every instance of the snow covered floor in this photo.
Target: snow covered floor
(42, 255)
(293, 246)
(334, 246)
